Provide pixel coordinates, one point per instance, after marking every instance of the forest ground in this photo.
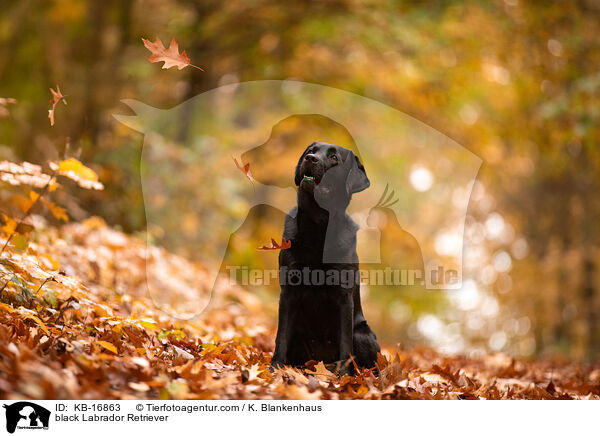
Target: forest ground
(76, 322)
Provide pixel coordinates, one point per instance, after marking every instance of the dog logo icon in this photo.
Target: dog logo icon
(26, 415)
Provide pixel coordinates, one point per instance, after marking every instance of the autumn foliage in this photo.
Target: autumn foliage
(76, 321)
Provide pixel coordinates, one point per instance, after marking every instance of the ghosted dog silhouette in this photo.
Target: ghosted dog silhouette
(195, 198)
(272, 163)
(399, 249)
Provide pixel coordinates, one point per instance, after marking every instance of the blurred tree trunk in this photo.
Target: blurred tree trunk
(589, 303)
(560, 329)
(88, 124)
(204, 49)
(125, 10)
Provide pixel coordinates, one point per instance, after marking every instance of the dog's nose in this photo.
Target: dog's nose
(311, 158)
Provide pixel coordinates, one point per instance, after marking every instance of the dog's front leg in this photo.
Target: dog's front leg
(346, 330)
(280, 355)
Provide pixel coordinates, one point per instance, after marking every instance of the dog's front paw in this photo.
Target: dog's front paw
(345, 370)
(275, 365)
(344, 367)
(279, 356)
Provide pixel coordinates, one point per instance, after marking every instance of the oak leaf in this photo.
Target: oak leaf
(275, 246)
(322, 373)
(171, 56)
(245, 169)
(295, 374)
(57, 97)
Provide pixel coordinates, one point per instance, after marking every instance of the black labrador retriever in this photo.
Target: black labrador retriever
(320, 314)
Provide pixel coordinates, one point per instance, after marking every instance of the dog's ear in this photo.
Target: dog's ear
(297, 178)
(357, 176)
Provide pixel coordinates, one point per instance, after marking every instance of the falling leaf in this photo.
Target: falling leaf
(75, 170)
(245, 169)
(57, 97)
(108, 346)
(275, 246)
(171, 56)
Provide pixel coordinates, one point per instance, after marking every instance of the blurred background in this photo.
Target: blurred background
(517, 83)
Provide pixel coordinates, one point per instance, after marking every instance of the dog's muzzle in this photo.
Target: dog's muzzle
(312, 173)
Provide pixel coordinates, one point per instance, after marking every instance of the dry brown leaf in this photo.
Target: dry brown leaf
(57, 97)
(171, 56)
(322, 373)
(275, 246)
(244, 169)
(108, 346)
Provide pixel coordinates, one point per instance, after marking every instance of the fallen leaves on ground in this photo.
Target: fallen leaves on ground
(76, 321)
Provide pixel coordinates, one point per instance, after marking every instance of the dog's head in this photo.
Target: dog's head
(332, 173)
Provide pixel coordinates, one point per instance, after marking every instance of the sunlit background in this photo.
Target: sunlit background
(514, 82)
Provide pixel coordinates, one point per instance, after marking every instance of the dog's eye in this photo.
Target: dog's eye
(334, 157)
